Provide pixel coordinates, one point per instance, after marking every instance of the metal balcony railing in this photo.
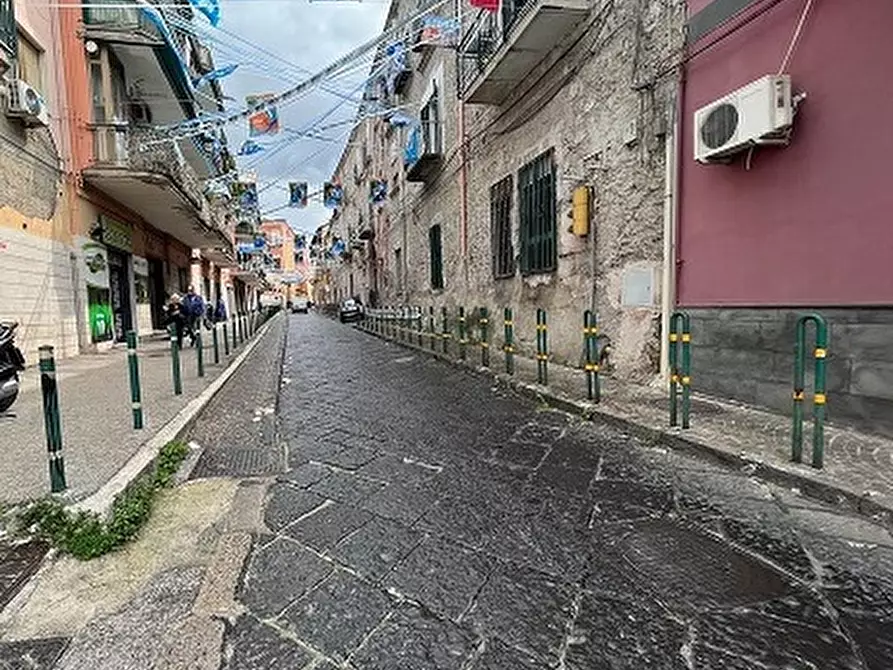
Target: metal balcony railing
(8, 35)
(138, 149)
(111, 15)
(488, 32)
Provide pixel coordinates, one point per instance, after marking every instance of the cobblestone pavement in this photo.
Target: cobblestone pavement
(429, 521)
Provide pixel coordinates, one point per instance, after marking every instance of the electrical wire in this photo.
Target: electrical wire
(795, 38)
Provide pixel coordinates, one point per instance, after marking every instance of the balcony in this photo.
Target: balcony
(109, 21)
(154, 180)
(8, 34)
(424, 151)
(502, 49)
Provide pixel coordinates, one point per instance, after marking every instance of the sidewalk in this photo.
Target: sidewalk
(858, 468)
(97, 429)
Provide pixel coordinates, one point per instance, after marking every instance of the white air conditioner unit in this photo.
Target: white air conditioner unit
(24, 102)
(759, 113)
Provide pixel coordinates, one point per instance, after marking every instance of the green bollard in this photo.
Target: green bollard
(175, 361)
(445, 333)
(432, 328)
(235, 344)
(680, 375)
(216, 341)
(225, 340)
(590, 338)
(463, 340)
(819, 401)
(136, 404)
(200, 353)
(509, 344)
(51, 419)
(542, 348)
(484, 321)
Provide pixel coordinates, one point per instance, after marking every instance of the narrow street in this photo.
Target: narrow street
(427, 520)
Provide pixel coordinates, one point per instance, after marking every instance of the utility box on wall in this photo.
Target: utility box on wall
(580, 212)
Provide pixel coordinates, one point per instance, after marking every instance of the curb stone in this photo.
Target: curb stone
(860, 503)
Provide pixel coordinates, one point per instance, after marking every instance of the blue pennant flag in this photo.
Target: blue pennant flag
(250, 147)
(214, 75)
(210, 8)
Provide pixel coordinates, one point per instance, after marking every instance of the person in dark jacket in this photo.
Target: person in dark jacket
(193, 308)
(174, 313)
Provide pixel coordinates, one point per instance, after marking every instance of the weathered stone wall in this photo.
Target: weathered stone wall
(748, 354)
(601, 102)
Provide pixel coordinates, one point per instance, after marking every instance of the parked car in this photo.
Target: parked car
(350, 311)
(300, 306)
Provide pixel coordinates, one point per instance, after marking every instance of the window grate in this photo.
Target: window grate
(501, 229)
(537, 215)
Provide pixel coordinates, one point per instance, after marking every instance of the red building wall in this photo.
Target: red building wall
(812, 223)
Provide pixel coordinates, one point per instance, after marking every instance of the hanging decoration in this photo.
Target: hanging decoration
(214, 75)
(413, 146)
(332, 195)
(400, 119)
(300, 242)
(396, 72)
(440, 31)
(337, 247)
(297, 194)
(264, 119)
(246, 195)
(487, 5)
(210, 8)
(249, 148)
(378, 191)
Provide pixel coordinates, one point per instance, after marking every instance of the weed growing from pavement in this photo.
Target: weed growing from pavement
(87, 535)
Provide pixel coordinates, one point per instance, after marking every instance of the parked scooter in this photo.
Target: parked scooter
(11, 363)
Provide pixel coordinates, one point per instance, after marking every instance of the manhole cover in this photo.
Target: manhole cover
(18, 562)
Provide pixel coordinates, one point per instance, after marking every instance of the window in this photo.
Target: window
(536, 215)
(432, 133)
(28, 63)
(8, 41)
(501, 229)
(436, 247)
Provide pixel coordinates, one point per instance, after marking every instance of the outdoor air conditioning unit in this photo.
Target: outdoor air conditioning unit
(24, 102)
(759, 113)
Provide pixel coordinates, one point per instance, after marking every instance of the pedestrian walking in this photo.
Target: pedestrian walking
(193, 311)
(220, 311)
(174, 313)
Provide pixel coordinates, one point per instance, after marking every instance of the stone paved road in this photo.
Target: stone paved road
(429, 521)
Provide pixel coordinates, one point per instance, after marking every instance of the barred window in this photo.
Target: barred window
(435, 245)
(501, 228)
(537, 216)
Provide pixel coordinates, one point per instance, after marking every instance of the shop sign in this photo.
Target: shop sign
(117, 234)
(95, 264)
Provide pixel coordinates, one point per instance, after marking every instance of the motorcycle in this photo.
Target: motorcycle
(11, 363)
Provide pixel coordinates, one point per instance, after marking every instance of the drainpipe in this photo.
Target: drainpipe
(672, 158)
(463, 189)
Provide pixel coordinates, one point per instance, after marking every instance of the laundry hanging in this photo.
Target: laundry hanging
(250, 147)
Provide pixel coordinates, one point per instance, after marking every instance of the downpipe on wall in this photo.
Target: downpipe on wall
(672, 157)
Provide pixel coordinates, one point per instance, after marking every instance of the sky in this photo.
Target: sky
(301, 37)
